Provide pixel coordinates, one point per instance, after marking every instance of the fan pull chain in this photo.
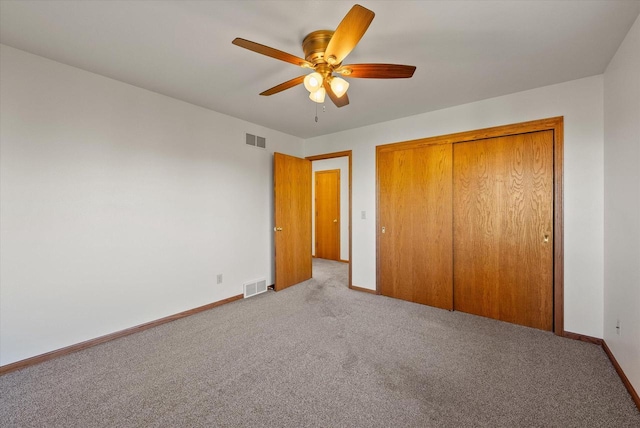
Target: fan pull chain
(316, 112)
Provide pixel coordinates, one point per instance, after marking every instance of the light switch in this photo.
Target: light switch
(363, 215)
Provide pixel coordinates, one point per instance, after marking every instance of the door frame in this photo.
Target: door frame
(555, 124)
(347, 154)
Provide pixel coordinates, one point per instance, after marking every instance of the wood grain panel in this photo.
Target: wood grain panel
(558, 227)
(414, 206)
(327, 197)
(292, 206)
(503, 228)
(553, 123)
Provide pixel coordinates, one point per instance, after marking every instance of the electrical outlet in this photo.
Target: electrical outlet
(618, 327)
(219, 279)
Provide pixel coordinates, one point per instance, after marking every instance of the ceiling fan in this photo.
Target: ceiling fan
(324, 52)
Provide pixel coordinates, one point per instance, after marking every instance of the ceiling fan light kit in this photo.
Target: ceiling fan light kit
(324, 52)
(318, 96)
(313, 81)
(339, 86)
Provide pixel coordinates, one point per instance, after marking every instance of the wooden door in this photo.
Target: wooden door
(503, 228)
(328, 214)
(292, 203)
(415, 221)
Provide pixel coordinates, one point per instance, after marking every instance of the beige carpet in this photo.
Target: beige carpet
(321, 355)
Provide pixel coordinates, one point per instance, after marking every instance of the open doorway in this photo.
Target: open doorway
(331, 208)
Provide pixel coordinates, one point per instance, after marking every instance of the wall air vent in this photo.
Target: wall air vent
(254, 287)
(256, 141)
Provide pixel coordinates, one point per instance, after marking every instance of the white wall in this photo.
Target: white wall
(581, 104)
(119, 206)
(622, 205)
(343, 165)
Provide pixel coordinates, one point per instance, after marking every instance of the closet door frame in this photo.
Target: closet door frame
(555, 124)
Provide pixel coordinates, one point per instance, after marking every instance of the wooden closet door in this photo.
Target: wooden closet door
(503, 228)
(415, 220)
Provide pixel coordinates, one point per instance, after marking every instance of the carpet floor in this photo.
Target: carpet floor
(321, 355)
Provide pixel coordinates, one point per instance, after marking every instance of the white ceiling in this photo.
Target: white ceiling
(464, 50)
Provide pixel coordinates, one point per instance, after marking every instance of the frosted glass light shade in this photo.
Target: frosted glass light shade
(339, 86)
(318, 96)
(313, 82)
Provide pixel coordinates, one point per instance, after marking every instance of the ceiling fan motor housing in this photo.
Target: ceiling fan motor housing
(315, 44)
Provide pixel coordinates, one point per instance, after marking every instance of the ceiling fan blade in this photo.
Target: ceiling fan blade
(273, 53)
(377, 71)
(283, 86)
(338, 101)
(348, 34)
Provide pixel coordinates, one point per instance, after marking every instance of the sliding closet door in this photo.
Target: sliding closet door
(503, 228)
(414, 225)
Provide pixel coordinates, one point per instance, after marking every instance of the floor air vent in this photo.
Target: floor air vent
(255, 287)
